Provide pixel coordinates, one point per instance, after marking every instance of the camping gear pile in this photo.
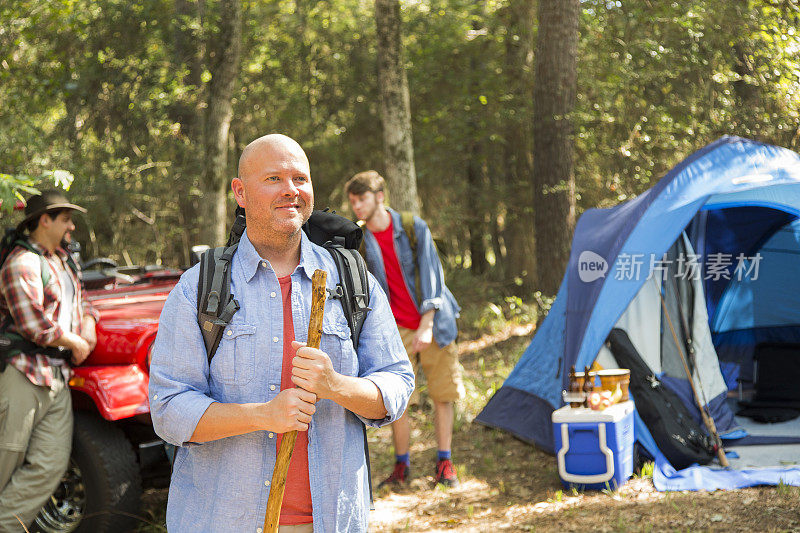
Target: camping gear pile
(686, 285)
(584, 393)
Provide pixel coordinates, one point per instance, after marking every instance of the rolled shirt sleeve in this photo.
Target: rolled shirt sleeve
(179, 391)
(89, 310)
(383, 359)
(431, 275)
(430, 303)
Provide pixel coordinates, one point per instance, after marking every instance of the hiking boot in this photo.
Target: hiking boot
(446, 473)
(399, 476)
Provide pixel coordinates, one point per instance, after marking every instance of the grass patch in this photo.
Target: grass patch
(787, 492)
(646, 471)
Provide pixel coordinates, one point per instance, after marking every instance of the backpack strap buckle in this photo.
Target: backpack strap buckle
(337, 293)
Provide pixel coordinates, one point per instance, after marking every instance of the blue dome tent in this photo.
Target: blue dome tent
(732, 201)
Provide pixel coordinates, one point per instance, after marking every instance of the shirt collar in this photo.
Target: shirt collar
(397, 223)
(310, 259)
(250, 260)
(247, 256)
(60, 252)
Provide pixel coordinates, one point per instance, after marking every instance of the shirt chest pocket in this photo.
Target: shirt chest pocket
(406, 258)
(337, 344)
(234, 362)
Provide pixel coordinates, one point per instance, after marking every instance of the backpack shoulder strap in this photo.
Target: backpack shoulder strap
(353, 286)
(45, 267)
(71, 264)
(407, 221)
(215, 303)
(239, 225)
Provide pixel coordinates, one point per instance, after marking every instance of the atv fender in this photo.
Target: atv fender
(118, 391)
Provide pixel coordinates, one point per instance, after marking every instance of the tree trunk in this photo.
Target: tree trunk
(475, 218)
(224, 52)
(401, 177)
(476, 186)
(518, 153)
(188, 62)
(553, 143)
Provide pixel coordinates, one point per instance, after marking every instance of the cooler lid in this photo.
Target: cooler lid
(615, 413)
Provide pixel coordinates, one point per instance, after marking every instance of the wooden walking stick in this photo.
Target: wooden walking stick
(275, 500)
(707, 420)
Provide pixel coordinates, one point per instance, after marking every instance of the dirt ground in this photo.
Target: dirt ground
(508, 485)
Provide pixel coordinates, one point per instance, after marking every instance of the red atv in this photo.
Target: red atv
(115, 450)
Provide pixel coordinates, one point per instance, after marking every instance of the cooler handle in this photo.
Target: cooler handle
(589, 478)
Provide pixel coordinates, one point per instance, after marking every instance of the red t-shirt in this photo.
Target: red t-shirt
(296, 508)
(403, 308)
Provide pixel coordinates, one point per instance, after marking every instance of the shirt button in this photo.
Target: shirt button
(272, 387)
(274, 339)
(264, 264)
(271, 435)
(258, 530)
(229, 333)
(266, 483)
(272, 294)
(155, 396)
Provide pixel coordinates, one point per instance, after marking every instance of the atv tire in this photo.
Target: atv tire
(101, 490)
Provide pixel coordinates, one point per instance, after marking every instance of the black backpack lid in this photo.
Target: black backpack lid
(324, 226)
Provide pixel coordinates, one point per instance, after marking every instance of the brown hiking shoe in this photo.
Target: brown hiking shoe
(446, 473)
(399, 476)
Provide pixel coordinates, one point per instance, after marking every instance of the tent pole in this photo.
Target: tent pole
(690, 353)
(708, 421)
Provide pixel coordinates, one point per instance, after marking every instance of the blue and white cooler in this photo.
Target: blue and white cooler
(594, 449)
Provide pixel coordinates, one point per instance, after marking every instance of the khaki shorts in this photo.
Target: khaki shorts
(302, 528)
(440, 366)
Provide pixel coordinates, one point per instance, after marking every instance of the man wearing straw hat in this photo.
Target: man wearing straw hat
(46, 325)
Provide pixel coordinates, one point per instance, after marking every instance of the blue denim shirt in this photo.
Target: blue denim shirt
(223, 485)
(435, 294)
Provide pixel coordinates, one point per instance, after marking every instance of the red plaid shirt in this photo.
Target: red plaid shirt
(33, 309)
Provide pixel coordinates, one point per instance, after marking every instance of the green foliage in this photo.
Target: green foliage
(787, 492)
(13, 188)
(646, 471)
(497, 312)
(659, 80)
(114, 92)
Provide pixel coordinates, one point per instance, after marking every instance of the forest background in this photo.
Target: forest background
(519, 114)
(499, 121)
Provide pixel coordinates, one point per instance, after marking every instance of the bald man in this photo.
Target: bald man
(226, 418)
